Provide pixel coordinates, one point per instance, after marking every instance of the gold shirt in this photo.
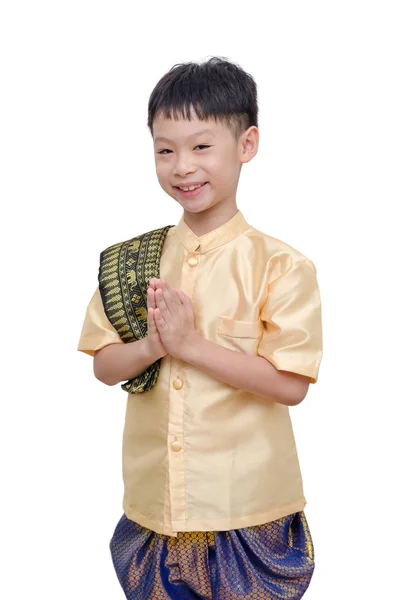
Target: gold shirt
(199, 454)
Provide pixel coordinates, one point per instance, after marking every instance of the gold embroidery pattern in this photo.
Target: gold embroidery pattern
(125, 271)
(273, 561)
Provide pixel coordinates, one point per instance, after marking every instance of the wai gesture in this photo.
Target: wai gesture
(170, 319)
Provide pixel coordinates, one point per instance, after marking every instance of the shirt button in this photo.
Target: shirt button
(176, 446)
(177, 383)
(193, 261)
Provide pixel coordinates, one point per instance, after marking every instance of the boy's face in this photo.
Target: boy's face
(200, 152)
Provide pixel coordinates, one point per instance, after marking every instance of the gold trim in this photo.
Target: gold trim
(125, 270)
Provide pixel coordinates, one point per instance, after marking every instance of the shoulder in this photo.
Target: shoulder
(278, 255)
(154, 235)
(273, 245)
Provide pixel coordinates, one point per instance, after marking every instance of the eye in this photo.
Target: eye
(165, 150)
(202, 146)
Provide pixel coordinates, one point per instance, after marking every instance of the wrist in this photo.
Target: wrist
(192, 349)
(151, 352)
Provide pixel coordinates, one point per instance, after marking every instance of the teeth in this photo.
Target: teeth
(192, 187)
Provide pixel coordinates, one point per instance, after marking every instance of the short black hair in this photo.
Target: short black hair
(215, 88)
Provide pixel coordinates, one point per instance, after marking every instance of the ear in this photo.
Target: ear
(249, 144)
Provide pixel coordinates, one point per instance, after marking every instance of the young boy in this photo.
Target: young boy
(226, 328)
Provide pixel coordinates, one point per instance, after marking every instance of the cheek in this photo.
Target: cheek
(161, 171)
(222, 171)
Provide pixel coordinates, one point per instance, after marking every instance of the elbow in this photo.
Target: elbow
(300, 391)
(101, 375)
(288, 400)
(294, 401)
(103, 379)
(295, 388)
(107, 381)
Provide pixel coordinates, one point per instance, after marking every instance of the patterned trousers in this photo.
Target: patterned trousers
(273, 561)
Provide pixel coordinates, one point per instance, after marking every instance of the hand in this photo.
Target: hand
(156, 346)
(174, 319)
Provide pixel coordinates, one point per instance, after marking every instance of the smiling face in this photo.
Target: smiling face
(204, 153)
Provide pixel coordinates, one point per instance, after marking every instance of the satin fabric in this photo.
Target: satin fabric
(266, 562)
(199, 454)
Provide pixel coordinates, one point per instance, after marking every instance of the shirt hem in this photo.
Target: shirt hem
(203, 524)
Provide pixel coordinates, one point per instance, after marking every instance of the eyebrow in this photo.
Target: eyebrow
(203, 132)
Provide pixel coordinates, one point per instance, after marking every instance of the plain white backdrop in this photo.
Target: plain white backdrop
(77, 174)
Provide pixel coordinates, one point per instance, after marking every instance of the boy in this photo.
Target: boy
(213, 498)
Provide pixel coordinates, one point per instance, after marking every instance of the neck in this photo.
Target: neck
(210, 219)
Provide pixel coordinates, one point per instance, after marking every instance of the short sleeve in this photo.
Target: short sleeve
(292, 339)
(97, 331)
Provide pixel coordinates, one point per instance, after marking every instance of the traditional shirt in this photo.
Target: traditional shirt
(199, 454)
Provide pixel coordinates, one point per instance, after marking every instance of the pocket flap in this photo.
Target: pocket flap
(240, 329)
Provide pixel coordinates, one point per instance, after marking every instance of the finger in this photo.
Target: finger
(161, 283)
(151, 298)
(159, 320)
(167, 289)
(153, 283)
(161, 304)
(172, 300)
(150, 319)
(165, 286)
(183, 297)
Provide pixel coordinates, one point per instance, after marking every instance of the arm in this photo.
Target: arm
(120, 362)
(253, 374)
(114, 360)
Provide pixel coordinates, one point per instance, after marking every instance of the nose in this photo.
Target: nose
(183, 166)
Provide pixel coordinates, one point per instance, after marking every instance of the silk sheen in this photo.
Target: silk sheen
(199, 454)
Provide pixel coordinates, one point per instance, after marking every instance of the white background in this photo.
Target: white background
(77, 174)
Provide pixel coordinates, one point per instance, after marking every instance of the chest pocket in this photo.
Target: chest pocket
(240, 329)
(243, 336)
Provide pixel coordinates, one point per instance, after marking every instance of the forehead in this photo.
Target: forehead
(180, 129)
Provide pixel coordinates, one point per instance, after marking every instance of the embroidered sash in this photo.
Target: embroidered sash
(125, 271)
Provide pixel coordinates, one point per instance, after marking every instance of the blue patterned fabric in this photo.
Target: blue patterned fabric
(273, 561)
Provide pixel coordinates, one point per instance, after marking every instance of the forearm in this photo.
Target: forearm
(253, 374)
(121, 362)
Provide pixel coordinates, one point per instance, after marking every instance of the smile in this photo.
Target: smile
(190, 188)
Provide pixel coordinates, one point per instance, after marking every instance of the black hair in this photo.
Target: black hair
(216, 88)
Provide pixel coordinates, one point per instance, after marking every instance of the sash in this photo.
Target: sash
(125, 270)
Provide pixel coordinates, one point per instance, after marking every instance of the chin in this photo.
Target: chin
(199, 208)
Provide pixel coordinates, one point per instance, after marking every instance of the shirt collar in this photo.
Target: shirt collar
(217, 237)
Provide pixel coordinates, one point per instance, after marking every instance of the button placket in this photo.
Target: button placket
(175, 442)
(177, 491)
